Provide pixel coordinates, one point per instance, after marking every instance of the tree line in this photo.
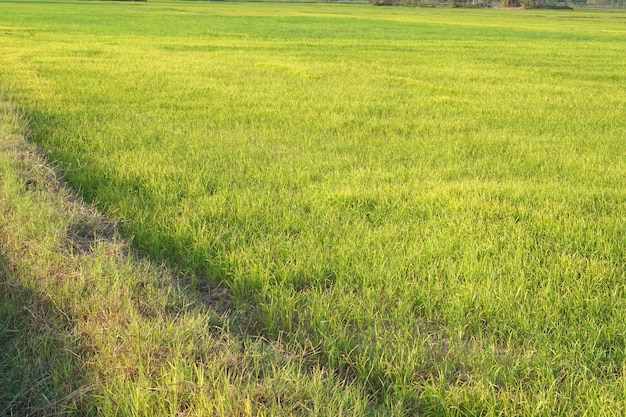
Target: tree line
(493, 3)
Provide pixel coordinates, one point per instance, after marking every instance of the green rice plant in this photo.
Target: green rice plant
(430, 201)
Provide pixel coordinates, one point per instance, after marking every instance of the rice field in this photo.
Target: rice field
(424, 209)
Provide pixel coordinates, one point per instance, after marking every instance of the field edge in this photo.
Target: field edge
(90, 327)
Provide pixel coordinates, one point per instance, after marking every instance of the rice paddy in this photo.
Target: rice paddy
(409, 211)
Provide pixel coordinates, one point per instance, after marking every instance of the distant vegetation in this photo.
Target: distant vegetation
(334, 210)
(546, 4)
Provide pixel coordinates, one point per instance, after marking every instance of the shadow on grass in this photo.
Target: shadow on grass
(40, 373)
(70, 288)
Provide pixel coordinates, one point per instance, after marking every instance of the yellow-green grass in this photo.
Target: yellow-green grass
(431, 199)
